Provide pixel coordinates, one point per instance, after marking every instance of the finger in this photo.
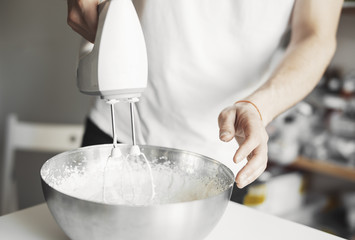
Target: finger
(253, 169)
(226, 122)
(83, 18)
(75, 20)
(90, 14)
(252, 178)
(252, 140)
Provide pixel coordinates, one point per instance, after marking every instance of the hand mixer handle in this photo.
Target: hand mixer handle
(86, 48)
(116, 66)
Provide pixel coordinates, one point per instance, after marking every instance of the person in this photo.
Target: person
(212, 71)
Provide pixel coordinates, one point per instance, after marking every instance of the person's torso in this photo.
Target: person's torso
(203, 55)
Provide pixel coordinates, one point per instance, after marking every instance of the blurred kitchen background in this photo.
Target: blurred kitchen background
(311, 174)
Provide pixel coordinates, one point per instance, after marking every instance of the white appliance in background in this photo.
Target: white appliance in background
(277, 194)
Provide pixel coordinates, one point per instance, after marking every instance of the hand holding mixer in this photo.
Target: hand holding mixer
(116, 68)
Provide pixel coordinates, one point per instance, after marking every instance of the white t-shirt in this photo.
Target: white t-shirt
(203, 55)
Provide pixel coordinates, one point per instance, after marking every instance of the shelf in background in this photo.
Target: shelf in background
(325, 167)
(349, 7)
(349, 4)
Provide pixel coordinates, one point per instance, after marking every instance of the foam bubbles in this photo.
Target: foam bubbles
(131, 185)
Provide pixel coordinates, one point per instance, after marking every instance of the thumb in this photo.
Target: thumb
(226, 121)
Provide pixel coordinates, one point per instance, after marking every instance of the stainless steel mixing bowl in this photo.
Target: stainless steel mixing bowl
(82, 219)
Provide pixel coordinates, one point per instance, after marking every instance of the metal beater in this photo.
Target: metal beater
(116, 68)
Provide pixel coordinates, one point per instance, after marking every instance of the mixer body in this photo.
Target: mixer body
(115, 67)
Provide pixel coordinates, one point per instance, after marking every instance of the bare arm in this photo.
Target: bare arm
(313, 43)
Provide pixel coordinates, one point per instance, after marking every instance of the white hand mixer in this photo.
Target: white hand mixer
(116, 68)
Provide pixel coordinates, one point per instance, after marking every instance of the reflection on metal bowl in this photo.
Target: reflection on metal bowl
(181, 219)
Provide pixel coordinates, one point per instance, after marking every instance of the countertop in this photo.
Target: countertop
(238, 222)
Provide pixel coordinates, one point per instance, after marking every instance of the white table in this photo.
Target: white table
(238, 222)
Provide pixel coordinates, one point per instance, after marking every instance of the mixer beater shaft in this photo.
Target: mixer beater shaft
(113, 124)
(131, 107)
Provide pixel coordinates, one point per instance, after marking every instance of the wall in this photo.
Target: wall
(38, 54)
